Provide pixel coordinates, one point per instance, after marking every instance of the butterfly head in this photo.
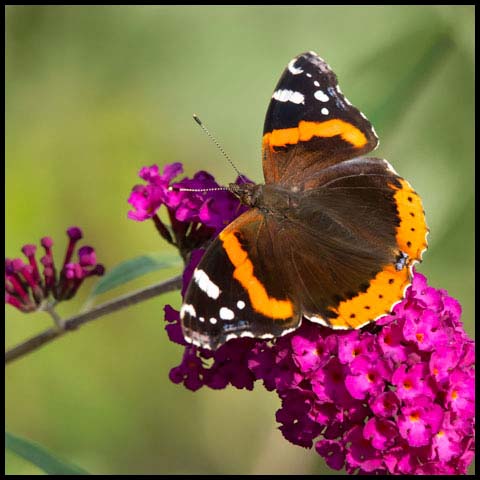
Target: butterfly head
(247, 193)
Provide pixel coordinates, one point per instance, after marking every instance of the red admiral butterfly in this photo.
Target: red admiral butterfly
(330, 236)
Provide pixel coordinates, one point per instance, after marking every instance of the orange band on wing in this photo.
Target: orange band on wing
(261, 302)
(412, 231)
(307, 130)
(388, 286)
(385, 289)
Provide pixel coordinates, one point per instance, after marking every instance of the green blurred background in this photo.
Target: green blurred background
(95, 93)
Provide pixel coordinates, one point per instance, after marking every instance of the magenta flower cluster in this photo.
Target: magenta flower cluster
(26, 288)
(195, 217)
(396, 397)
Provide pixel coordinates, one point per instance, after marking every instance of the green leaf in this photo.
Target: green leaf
(40, 456)
(134, 268)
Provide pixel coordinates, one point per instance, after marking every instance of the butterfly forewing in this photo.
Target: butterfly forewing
(234, 291)
(310, 124)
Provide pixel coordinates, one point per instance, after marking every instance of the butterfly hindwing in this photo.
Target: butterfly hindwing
(352, 242)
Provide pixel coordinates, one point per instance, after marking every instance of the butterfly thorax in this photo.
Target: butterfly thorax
(268, 198)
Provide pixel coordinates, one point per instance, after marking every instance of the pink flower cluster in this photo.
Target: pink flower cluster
(26, 289)
(396, 397)
(195, 217)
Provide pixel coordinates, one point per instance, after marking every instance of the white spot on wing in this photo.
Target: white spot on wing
(340, 327)
(240, 304)
(341, 93)
(292, 69)
(376, 136)
(266, 335)
(321, 95)
(197, 343)
(187, 308)
(226, 314)
(247, 334)
(365, 323)
(289, 330)
(213, 320)
(309, 75)
(197, 338)
(318, 320)
(325, 111)
(389, 167)
(230, 336)
(288, 96)
(317, 84)
(205, 284)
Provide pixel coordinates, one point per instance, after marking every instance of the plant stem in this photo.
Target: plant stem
(76, 321)
(50, 309)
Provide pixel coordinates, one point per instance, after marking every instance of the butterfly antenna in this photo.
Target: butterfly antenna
(181, 189)
(214, 140)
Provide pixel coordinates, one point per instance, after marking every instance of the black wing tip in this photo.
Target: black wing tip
(313, 57)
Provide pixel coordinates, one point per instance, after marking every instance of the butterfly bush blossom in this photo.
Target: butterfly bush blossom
(195, 217)
(396, 397)
(27, 289)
